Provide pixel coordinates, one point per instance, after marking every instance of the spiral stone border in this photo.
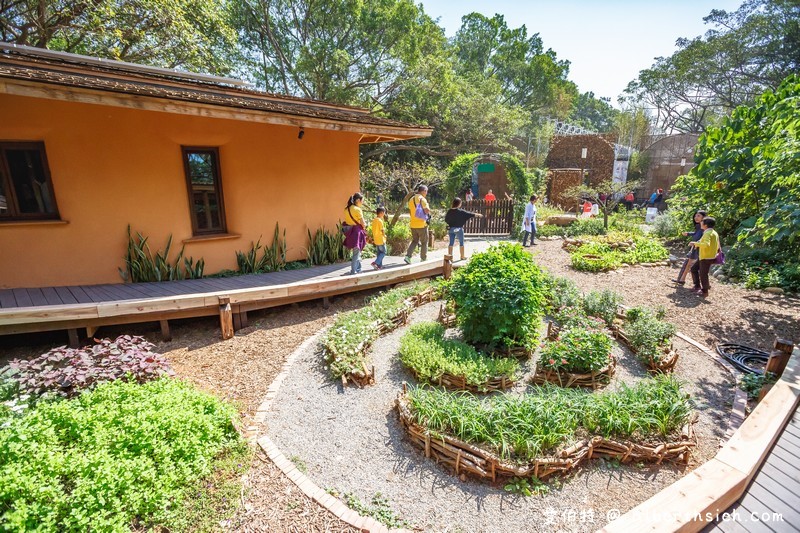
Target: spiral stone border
(467, 459)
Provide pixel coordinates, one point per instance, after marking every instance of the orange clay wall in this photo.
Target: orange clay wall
(114, 166)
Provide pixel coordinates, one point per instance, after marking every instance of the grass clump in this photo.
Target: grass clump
(347, 340)
(521, 428)
(425, 350)
(119, 456)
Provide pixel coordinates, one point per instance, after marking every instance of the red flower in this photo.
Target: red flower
(552, 361)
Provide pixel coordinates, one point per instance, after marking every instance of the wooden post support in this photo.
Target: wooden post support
(225, 317)
(779, 357)
(447, 268)
(243, 318)
(166, 334)
(237, 319)
(326, 302)
(431, 240)
(90, 331)
(73, 338)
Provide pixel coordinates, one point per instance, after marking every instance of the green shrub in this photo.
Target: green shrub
(648, 333)
(345, 341)
(551, 230)
(577, 350)
(523, 427)
(439, 229)
(586, 226)
(627, 221)
(425, 350)
(120, 456)
(759, 268)
(561, 293)
(576, 317)
(669, 225)
(602, 304)
(398, 237)
(753, 383)
(500, 297)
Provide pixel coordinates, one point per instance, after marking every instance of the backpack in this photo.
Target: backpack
(419, 212)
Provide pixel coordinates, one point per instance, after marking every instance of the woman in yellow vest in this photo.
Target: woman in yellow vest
(708, 246)
(355, 230)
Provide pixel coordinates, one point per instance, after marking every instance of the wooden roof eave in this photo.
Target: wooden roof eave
(376, 132)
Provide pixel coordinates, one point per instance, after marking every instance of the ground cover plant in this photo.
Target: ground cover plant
(500, 297)
(599, 256)
(561, 293)
(118, 456)
(67, 371)
(346, 341)
(578, 350)
(425, 350)
(648, 333)
(521, 428)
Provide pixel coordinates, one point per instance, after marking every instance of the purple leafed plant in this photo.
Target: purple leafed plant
(67, 371)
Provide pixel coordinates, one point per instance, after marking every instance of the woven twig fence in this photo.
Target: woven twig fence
(446, 316)
(452, 382)
(467, 459)
(366, 376)
(594, 380)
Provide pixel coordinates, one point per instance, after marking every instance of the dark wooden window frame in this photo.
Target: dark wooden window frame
(8, 185)
(185, 151)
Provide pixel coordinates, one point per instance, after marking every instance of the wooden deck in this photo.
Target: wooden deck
(92, 306)
(770, 502)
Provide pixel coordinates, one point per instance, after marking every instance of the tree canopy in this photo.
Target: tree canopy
(745, 53)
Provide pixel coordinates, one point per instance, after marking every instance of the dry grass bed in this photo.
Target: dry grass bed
(729, 314)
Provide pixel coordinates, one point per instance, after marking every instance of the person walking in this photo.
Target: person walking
(355, 230)
(420, 213)
(692, 256)
(455, 219)
(708, 247)
(529, 222)
(379, 237)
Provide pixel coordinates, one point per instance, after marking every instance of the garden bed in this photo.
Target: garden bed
(663, 365)
(594, 380)
(467, 459)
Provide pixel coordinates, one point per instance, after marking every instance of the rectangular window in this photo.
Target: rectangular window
(26, 191)
(204, 183)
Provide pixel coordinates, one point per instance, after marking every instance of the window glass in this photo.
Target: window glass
(26, 191)
(205, 190)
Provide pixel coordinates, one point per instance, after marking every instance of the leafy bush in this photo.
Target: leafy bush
(669, 224)
(551, 230)
(68, 371)
(425, 350)
(120, 456)
(602, 304)
(577, 350)
(585, 226)
(561, 293)
(523, 427)
(345, 341)
(627, 221)
(576, 317)
(759, 268)
(439, 228)
(648, 333)
(753, 383)
(500, 297)
(398, 237)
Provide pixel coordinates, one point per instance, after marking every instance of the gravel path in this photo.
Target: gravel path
(351, 441)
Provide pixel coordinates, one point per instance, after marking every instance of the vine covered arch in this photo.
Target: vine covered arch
(522, 182)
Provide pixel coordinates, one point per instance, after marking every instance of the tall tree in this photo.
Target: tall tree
(345, 51)
(746, 52)
(189, 34)
(593, 113)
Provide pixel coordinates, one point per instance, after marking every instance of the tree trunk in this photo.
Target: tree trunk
(403, 205)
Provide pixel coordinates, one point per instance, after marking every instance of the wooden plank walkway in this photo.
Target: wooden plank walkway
(93, 306)
(770, 502)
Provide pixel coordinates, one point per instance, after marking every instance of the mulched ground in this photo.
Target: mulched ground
(242, 368)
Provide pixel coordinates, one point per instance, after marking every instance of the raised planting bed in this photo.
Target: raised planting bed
(577, 355)
(347, 342)
(645, 332)
(664, 363)
(509, 436)
(453, 364)
(594, 379)
(609, 252)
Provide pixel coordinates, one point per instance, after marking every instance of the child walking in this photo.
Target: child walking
(379, 237)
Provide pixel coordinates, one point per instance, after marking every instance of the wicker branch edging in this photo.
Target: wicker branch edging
(366, 376)
(453, 382)
(467, 459)
(664, 365)
(595, 379)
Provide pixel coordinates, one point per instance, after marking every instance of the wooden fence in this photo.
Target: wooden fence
(498, 217)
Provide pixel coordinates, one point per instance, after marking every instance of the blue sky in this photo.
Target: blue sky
(607, 42)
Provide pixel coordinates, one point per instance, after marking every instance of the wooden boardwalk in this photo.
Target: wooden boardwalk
(91, 306)
(772, 499)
